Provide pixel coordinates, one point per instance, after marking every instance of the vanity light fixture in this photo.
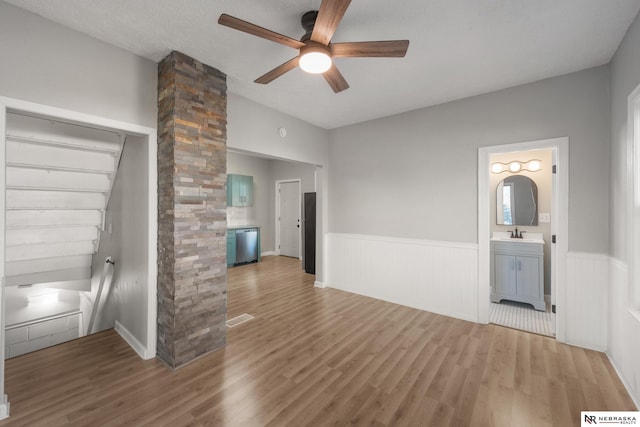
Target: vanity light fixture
(534, 165)
(515, 166)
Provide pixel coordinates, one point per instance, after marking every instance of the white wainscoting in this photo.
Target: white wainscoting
(440, 277)
(624, 329)
(586, 311)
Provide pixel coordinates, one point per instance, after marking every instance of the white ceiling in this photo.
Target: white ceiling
(459, 48)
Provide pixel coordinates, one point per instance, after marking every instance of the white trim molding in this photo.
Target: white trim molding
(4, 407)
(320, 285)
(435, 276)
(623, 346)
(633, 193)
(133, 342)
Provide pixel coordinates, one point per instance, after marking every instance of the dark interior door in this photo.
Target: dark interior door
(310, 233)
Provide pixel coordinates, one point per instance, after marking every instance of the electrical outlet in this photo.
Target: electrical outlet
(544, 217)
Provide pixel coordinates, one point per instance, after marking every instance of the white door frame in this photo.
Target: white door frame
(559, 225)
(633, 195)
(278, 183)
(20, 106)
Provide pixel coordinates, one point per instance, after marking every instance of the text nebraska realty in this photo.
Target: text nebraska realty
(612, 419)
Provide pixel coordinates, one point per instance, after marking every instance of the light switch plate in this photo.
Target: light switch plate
(545, 217)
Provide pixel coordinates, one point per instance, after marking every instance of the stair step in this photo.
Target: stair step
(36, 199)
(59, 168)
(52, 218)
(54, 132)
(68, 145)
(80, 273)
(73, 190)
(30, 236)
(15, 268)
(30, 178)
(82, 285)
(48, 156)
(50, 250)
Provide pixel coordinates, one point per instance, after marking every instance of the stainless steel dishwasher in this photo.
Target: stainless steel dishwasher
(246, 245)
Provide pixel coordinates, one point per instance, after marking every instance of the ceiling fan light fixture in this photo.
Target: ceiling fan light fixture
(315, 59)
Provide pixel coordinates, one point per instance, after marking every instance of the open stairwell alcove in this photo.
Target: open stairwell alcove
(78, 191)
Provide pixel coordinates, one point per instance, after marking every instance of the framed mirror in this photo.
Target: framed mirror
(517, 201)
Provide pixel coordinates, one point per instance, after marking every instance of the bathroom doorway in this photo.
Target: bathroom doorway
(521, 190)
(521, 281)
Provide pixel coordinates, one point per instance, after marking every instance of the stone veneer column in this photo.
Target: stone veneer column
(192, 163)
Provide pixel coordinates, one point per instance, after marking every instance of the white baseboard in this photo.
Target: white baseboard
(627, 386)
(4, 407)
(587, 345)
(320, 285)
(133, 341)
(267, 253)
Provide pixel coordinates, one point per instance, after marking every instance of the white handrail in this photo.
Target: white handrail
(96, 302)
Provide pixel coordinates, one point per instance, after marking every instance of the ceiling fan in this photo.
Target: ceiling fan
(315, 50)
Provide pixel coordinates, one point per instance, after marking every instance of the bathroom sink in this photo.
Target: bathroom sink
(504, 236)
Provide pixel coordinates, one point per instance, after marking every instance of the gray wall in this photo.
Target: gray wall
(125, 291)
(415, 174)
(253, 128)
(47, 63)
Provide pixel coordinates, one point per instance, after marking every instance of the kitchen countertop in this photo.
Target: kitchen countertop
(237, 227)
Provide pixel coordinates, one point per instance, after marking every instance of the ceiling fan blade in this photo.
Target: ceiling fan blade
(381, 49)
(249, 28)
(278, 71)
(329, 16)
(335, 79)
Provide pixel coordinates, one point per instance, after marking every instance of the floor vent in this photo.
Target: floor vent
(238, 320)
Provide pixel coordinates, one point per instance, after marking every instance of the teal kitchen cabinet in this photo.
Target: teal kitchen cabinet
(231, 247)
(239, 190)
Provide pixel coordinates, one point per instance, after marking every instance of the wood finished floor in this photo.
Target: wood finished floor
(319, 357)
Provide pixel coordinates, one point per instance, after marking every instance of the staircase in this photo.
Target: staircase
(58, 182)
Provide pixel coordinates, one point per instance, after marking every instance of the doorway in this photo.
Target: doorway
(288, 218)
(558, 216)
(145, 343)
(521, 189)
